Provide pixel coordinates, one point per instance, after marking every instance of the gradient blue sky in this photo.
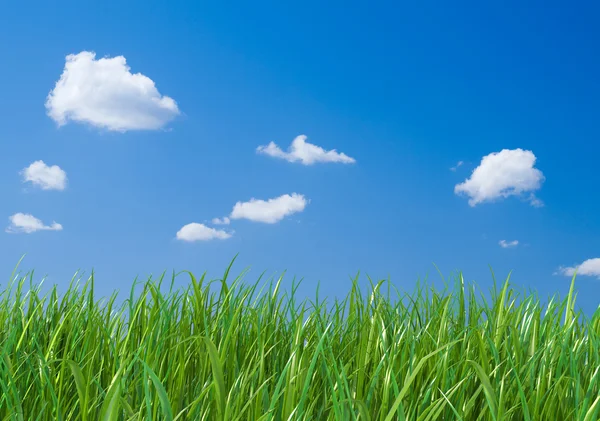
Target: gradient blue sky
(407, 91)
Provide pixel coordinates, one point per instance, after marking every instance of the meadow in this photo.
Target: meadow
(228, 350)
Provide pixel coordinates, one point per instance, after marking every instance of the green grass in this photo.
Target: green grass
(253, 352)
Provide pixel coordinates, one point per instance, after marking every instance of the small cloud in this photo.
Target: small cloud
(535, 202)
(590, 267)
(269, 211)
(44, 176)
(26, 223)
(105, 94)
(304, 152)
(503, 174)
(221, 221)
(459, 164)
(200, 232)
(508, 244)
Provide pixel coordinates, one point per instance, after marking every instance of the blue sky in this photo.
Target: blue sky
(405, 92)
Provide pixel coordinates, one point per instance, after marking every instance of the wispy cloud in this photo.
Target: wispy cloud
(503, 174)
(458, 165)
(305, 153)
(221, 221)
(27, 223)
(200, 232)
(269, 211)
(44, 176)
(105, 94)
(508, 244)
(590, 267)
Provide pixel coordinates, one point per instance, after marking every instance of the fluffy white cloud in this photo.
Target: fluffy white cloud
(104, 93)
(508, 244)
(26, 223)
(221, 221)
(590, 267)
(269, 211)
(458, 165)
(304, 152)
(47, 177)
(200, 232)
(509, 172)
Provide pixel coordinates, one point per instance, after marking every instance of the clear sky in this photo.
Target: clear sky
(162, 109)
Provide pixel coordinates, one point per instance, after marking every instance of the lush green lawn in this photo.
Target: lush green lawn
(251, 352)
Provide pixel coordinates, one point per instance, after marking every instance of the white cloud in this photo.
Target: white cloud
(269, 211)
(105, 94)
(503, 174)
(590, 267)
(304, 152)
(200, 232)
(47, 177)
(221, 221)
(459, 164)
(535, 202)
(508, 244)
(26, 223)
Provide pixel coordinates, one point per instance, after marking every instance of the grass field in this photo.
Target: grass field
(226, 350)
